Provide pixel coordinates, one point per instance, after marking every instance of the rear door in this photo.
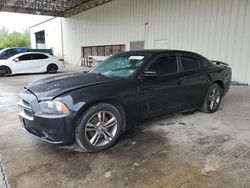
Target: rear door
(39, 62)
(194, 78)
(163, 93)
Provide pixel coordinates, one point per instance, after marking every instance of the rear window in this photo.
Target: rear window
(190, 63)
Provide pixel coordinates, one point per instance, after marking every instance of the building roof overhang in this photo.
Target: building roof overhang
(57, 8)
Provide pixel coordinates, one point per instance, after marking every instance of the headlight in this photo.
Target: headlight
(53, 107)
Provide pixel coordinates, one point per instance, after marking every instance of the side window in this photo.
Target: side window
(25, 57)
(39, 56)
(165, 65)
(190, 63)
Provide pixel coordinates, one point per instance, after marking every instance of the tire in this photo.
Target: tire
(213, 99)
(4, 71)
(52, 68)
(99, 128)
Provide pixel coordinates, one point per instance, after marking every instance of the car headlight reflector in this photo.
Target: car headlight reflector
(53, 107)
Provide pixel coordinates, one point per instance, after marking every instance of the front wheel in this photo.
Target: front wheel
(99, 128)
(213, 99)
(4, 71)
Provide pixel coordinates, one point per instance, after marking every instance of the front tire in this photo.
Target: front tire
(4, 71)
(213, 99)
(99, 128)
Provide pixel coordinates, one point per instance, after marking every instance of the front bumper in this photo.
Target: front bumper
(52, 129)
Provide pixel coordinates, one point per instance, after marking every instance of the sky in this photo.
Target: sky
(19, 22)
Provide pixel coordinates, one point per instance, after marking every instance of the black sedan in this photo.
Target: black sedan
(94, 108)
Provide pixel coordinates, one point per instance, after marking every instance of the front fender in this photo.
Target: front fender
(79, 99)
(122, 95)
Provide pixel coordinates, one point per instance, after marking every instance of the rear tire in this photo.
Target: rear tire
(213, 99)
(99, 128)
(4, 71)
(52, 68)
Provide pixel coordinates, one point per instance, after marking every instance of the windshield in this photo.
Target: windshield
(120, 65)
(1, 51)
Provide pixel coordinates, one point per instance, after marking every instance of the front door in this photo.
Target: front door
(22, 63)
(163, 93)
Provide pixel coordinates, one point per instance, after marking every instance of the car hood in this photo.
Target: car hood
(49, 88)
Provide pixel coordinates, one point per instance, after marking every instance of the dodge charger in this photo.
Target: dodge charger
(94, 108)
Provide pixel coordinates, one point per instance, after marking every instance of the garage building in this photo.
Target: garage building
(217, 29)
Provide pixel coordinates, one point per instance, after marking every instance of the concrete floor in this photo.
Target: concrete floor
(195, 150)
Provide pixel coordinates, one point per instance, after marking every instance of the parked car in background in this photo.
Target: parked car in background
(95, 108)
(9, 52)
(30, 62)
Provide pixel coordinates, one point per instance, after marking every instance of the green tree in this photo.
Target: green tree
(14, 39)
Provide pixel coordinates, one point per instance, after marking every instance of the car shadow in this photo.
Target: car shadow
(137, 134)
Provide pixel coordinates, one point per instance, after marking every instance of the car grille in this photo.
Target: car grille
(25, 110)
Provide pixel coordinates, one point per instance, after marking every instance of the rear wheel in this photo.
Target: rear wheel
(213, 99)
(52, 68)
(4, 71)
(99, 128)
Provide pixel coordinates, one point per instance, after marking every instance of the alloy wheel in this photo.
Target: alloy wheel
(101, 128)
(214, 98)
(4, 72)
(52, 69)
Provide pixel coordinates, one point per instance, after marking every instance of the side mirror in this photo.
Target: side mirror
(151, 74)
(16, 60)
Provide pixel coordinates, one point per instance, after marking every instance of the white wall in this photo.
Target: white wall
(218, 29)
(53, 35)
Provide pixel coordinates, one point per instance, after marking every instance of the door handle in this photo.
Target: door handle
(209, 76)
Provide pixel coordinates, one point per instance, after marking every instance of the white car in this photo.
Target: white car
(30, 62)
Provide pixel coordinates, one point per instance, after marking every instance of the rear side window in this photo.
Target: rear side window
(39, 56)
(190, 63)
(25, 57)
(165, 65)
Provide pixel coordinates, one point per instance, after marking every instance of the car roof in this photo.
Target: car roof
(159, 51)
(24, 53)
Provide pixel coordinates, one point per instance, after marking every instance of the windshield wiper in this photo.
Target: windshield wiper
(122, 68)
(97, 73)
